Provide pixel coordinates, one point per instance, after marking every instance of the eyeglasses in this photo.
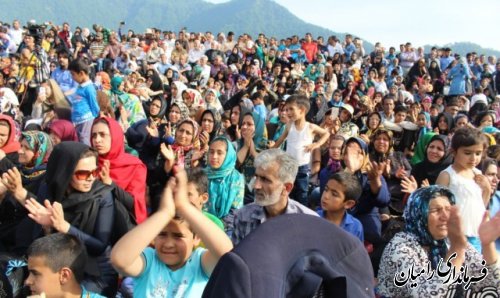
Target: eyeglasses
(84, 175)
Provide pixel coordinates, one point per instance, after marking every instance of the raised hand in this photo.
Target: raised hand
(152, 130)
(455, 231)
(39, 213)
(167, 152)
(408, 185)
(12, 180)
(489, 230)
(104, 174)
(58, 221)
(376, 170)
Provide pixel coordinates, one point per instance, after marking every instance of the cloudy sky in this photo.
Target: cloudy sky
(396, 21)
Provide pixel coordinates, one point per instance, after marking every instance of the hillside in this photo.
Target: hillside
(240, 16)
(249, 16)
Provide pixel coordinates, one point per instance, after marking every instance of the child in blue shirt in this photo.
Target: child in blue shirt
(84, 104)
(174, 268)
(341, 193)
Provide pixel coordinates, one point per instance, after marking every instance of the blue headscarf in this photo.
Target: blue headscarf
(416, 217)
(260, 135)
(225, 185)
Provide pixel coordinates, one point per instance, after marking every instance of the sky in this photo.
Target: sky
(393, 22)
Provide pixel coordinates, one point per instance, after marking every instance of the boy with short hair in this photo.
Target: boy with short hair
(198, 193)
(173, 267)
(299, 135)
(341, 193)
(84, 105)
(56, 265)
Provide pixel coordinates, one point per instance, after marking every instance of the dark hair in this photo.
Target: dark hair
(485, 163)
(79, 65)
(199, 178)
(59, 251)
(467, 136)
(351, 184)
(400, 108)
(300, 100)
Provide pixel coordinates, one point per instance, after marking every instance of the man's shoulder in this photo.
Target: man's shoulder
(249, 212)
(296, 207)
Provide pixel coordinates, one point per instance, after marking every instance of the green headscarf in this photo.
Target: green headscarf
(226, 185)
(115, 84)
(40, 143)
(422, 143)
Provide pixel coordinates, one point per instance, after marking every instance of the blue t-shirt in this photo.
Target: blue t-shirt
(84, 103)
(349, 224)
(157, 280)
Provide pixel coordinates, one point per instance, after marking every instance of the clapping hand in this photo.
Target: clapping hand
(408, 185)
(105, 173)
(489, 230)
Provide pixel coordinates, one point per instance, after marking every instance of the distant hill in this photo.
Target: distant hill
(240, 16)
(463, 48)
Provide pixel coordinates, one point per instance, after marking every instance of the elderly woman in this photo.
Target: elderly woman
(418, 262)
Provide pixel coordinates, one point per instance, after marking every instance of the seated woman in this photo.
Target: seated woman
(77, 203)
(226, 186)
(183, 152)
(437, 158)
(62, 130)
(375, 193)
(210, 124)
(127, 106)
(8, 142)
(253, 140)
(411, 262)
(126, 171)
(397, 166)
(17, 185)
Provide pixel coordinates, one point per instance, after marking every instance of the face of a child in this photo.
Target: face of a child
(197, 199)
(226, 123)
(421, 121)
(399, 117)
(294, 111)
(41, 279)
(468, 157)
(332, 199)
(335, 149)
(217, 154)
(175, 243)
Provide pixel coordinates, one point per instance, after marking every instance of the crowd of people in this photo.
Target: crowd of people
(132, 163)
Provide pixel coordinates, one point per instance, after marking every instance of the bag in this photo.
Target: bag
(124, 219)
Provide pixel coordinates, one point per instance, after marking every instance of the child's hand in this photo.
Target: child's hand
(181, 194)
(483, 183)
(167, 200)
(310, 147)
(425, 183)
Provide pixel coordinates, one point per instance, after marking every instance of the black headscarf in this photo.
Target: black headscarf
(449, 120)
(428, 170)
(80, 209)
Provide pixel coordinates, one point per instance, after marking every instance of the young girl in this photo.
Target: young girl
(471, 188)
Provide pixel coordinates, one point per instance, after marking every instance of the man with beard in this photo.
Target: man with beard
(275, 173)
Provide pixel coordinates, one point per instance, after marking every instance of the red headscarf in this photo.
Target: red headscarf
(64, 129)
(12, 144)
(126, 170)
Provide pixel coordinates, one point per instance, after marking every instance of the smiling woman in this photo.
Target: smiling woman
(432, 221)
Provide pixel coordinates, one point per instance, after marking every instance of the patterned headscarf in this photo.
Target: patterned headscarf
(40, 144)
(416, 217)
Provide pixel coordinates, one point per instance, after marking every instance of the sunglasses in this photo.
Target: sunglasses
(84, 175)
